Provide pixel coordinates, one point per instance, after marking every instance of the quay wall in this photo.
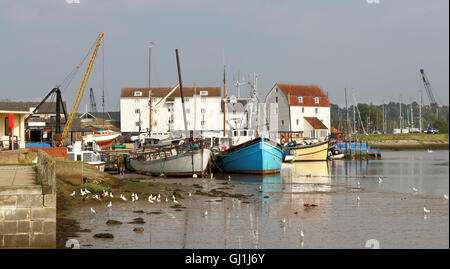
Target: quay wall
(28, 213)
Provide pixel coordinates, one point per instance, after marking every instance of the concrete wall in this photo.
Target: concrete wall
(70, 172)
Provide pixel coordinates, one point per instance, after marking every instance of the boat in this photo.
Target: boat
(90, 157)
(310, 152)
(171, 161)
(258, 156)
(335, 154)
(103, 138)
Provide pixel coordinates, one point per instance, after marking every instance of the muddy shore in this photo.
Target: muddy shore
(127, 184)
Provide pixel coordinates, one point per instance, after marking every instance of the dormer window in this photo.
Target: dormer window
(316, 100)
(137, 93)
(300, 99)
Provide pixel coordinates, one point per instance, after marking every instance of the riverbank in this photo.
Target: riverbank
(407, 141)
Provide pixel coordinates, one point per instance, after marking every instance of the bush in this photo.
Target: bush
(441, 125)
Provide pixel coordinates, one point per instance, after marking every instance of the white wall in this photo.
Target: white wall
(323, 114)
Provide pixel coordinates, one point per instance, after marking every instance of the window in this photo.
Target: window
(282, 122)
(303, 110)
(317, 110)
(276, 89)
(316, 100)
(203, 92)
(235, 133)
(168, 109)
(137, 93)
(156, 123)
(203, 110)
(7, 130)
(203, 123)
(188, 110)
(137, 123)
(276, 99)
(137, 111)
(234, 112)
(298, 122)
(300, 99)
(186, 99)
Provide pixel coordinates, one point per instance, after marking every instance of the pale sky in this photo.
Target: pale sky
(377, 49)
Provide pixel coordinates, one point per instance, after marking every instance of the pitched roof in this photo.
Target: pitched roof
(315, 123)
(162, 91)
(307, 92)
(46, 108)
(335, 130)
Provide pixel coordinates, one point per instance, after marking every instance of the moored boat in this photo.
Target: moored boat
(171, 161)
(257, 156)
(312, 152)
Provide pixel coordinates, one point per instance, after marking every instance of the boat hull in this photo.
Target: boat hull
(184, 164)
(315, 152)
(258, 157)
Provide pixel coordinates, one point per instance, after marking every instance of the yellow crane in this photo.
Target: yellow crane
(80, 91)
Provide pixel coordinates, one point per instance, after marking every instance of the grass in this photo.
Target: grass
(95, 188)
(421, 138)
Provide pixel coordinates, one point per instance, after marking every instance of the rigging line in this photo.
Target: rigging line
(68, 79)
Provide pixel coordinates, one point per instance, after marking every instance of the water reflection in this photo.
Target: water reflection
(305, 195)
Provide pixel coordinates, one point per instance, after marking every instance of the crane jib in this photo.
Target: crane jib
(81, 90)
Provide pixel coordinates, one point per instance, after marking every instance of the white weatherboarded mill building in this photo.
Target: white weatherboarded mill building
(203, 109)
(302, 111)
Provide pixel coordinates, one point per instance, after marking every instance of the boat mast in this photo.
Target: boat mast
(224, 99)
(181, 92)
(149, 89)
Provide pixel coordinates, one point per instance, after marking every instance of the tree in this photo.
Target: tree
(441, 124)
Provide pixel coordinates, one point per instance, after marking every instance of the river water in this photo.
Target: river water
(318, 198)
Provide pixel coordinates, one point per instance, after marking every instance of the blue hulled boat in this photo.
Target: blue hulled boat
(257, 156)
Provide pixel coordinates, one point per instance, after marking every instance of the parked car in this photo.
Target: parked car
(431, 131)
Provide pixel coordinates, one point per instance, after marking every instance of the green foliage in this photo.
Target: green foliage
(95, 188)
(441, 124)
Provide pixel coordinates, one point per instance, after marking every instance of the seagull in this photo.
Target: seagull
(167, 200)
(175, 201)
(190, 194)
(429, 150)
(357, 198)
(110, 204)
(150, 199)
(380, 179)
(173, 197)
(159, 196)
(86, 190)
(426, 211)
(132, 199)
(82, 192)
(415, 190)
(158, 200)
(111, 195)
(302, 235)
(92, 210)
(72, 194)
(445, 196)
(229, 178)
(283, 220)
(95, 196)
(205, 213)
(136, 197)
(359, 184)
(123, 197)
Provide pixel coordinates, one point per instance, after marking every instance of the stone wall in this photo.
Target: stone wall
(28, 221)
(28, 213)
